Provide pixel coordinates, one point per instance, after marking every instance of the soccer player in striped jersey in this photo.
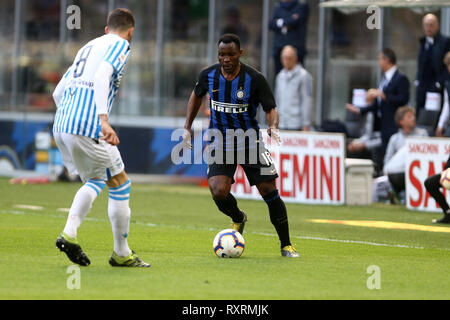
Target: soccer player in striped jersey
(236, 90)
(87, 142)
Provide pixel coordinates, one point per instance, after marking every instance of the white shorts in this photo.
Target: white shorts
(88, 157)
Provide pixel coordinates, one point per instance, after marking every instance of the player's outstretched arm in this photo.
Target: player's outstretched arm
(272, 121)
(192, 110)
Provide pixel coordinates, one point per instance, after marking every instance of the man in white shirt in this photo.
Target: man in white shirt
(406, 119)
(293, 92)
(394, 160)
(87, 142)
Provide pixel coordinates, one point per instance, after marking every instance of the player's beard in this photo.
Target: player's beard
(230, 68)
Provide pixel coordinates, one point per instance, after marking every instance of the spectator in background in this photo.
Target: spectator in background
(289, 24)
(234, 24)
(392, 93)
(433, 186)
(368, 146)
(394, 160)
(293, 92)
(431, 71)
(179, 24)
(42, 20)
(443, 120)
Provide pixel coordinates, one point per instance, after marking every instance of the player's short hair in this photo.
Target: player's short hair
(400, 113)
(120, 19)
(229, 38)
(447, 58)
(389, 54)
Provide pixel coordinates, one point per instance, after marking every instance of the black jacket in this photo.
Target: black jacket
(397, 95)
(440, 47)
(447, 86)
(295, 16)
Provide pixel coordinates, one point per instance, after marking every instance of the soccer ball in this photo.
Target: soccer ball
(445, 179)
(228, 243)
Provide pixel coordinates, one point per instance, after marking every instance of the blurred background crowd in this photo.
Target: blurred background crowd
(181, 34)
(319, 61)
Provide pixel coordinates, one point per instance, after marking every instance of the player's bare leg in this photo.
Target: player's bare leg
(278, 216)
(119, 214)
(220, 187)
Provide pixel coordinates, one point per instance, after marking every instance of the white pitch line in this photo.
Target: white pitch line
(26, 206)
(217, 229)
(345, 241)
(359, 242)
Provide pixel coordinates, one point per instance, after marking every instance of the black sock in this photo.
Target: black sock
(278, 216)
(229, 207)
(432, 184)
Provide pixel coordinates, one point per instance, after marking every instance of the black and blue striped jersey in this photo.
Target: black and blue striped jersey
(234, 104)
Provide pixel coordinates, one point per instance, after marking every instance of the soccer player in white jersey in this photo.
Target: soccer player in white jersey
(87, 142)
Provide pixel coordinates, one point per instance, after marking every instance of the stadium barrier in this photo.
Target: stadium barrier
(144, 150)
(424, 157)
(358, 181)
(310, 165)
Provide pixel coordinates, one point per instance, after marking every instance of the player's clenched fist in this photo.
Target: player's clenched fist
(274, 134)
(110, 135)
(187, 134)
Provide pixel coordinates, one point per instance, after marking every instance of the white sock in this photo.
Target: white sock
(119, 214)
(81, 205)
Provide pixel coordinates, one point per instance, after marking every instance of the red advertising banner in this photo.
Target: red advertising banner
(425, 157)
(310, 166)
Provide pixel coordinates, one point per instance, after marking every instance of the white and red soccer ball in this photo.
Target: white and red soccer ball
(445, 179)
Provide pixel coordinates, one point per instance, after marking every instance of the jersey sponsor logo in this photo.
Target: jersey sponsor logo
(89, 84)
(229, 107)
(73, 84)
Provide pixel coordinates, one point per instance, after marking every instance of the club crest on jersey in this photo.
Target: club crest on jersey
(240, 94)
(122, 58)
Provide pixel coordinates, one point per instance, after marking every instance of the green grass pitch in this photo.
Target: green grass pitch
(173, 227)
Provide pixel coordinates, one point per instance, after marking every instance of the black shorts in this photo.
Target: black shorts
(261, 170)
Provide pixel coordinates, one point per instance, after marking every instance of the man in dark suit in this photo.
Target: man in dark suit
(431, 71)
(442, 129)
(392, 93)
(433, 183)
(289, 23)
